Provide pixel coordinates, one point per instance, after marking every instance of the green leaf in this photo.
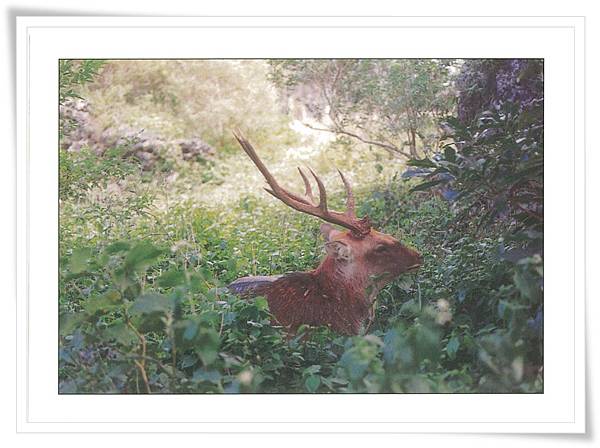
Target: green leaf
(117, 247)
(79, 260)
(198, 283)
(311, 370)
(422, 163)
(171, 278)
(452, 347)
(121, 279)
(211, 376)
(207, 345)
(527, 286)
(261, 303)
(312, 383)
(409, 307)
(426, 185)
(188, 361)
(151, 303)
(427, 343)
(121, 333)
(141, 256)
(68, 322)
(105, 302)
(191, 329)
(355, 363)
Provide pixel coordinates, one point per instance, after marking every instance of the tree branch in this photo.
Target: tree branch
(394, 150)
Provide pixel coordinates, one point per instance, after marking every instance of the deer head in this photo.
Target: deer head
(359, 255)
(377, 258)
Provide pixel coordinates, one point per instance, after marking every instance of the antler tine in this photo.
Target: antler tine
(349, 195)
(248, 149)
(308, 188)
(359, 227)
(277, 190)
(322, 193)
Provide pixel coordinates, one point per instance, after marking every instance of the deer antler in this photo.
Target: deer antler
(347, 219)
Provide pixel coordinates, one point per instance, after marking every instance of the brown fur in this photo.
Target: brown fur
(340, 292)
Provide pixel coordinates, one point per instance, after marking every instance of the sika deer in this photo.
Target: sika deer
(341, 291)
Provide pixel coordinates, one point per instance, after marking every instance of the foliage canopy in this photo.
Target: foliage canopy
(382, 102)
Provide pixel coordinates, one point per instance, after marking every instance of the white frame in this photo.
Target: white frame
(41, 41)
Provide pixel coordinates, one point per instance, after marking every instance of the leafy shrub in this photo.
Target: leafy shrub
(429, 334)
(386, 103)
(496, 165)
(73, 76)
(495, 236)
(82, 171)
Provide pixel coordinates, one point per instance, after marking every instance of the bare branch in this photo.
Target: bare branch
(394, 150)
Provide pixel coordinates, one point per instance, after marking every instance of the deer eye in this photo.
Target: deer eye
(381, 248)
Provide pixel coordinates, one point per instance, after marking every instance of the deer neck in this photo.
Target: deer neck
(343, 281)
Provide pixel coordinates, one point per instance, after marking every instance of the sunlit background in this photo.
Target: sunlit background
(163, 103)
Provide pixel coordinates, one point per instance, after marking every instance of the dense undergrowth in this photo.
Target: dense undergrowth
(143, 308)
(145, 298)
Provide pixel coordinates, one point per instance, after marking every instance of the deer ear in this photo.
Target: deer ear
(339, 250)
(329, 232)
(326, 231)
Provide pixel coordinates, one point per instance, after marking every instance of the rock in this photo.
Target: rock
(80, 132)
(194, 147)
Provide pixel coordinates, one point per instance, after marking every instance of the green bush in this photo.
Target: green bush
(164, 307)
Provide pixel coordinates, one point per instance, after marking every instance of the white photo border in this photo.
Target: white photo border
(42, 41)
